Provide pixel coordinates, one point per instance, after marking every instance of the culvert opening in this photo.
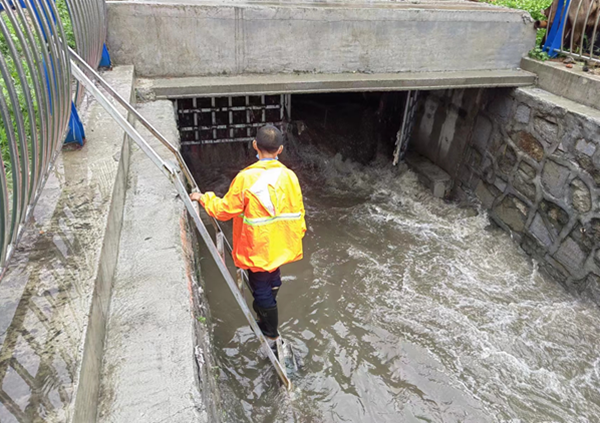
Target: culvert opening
(359, 126)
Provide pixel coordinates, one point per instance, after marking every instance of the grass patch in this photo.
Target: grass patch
(534, 7)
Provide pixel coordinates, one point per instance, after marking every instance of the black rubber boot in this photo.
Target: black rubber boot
(256, 308)
(268, 320)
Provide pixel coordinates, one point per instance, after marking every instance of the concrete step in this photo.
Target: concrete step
(54, 294)
(149, 372)
(554, 100)
(573, 84)
(326, 83)
(430, 175)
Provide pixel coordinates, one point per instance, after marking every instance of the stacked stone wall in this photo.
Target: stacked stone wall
(533, 160)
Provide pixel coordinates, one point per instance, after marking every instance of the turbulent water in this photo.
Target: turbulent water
(406, 308)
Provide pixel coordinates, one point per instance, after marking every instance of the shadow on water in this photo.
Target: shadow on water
(406, 308)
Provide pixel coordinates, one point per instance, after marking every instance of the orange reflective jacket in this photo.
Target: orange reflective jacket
(266, 205)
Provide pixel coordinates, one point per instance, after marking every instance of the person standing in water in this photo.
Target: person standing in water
(265, 203)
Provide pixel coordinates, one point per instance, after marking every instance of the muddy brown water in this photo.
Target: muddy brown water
(406, 309)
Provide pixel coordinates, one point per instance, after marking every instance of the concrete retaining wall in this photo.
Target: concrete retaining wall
(533, 160)
(170, 39)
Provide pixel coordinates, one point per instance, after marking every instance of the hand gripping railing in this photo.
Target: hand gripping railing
(173, 172)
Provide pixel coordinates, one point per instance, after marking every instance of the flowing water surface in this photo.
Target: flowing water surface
(406, 308)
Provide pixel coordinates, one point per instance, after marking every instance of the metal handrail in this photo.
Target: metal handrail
(174, 150)
(575, 23)
(173, 172)
(39, 53)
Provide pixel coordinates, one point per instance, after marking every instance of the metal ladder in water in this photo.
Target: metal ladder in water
(174, 171)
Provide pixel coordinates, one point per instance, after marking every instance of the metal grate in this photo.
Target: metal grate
(212, 120)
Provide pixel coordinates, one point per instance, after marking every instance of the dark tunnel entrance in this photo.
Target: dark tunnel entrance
(359, 126)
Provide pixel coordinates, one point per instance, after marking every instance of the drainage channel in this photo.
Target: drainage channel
(405, 307)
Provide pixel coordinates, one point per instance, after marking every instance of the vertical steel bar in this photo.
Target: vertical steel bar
(195, 114)
(34, 169)
(16, 139)
(564, 15)
(230, 117)
(213, 117)
(23, 150)
(574, 26)
(587, 18)
(248, 115)
(594, 34)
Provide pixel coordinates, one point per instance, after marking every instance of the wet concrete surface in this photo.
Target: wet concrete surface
(149, 371)
(46, 295)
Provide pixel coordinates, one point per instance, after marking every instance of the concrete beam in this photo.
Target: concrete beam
(170, 39)
(573, 84)
(324, 83)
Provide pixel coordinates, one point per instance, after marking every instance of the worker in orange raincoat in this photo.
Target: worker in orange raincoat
(265, 202)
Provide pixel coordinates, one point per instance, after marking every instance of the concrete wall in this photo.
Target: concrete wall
(533, 160)
(173, 39)
(574, 83)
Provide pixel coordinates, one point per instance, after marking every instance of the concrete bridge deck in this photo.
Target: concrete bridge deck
(200, 38)
(207, 86)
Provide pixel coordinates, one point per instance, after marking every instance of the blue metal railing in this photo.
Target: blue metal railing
(573, 29)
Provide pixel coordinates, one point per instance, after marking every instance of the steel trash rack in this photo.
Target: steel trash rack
(173, 172)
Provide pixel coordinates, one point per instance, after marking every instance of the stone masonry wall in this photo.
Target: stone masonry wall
(533, 160)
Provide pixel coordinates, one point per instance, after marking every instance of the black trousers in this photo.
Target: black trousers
(265, 286)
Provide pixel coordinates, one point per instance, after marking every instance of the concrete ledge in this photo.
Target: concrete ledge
(149, 372)
(325, 83)
(166, 39)
(86, 401)
(433, 177)
(54, 296)
(573, 84)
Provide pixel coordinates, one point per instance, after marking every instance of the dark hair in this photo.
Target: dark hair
(269, 139)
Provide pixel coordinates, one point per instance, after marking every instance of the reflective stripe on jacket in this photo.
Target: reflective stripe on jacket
(266, 205)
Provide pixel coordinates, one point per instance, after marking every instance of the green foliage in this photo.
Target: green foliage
(541, 33)
(538, 54)
(63, 12)
(534, 7)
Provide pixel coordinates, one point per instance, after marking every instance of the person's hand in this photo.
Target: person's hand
(195, 196)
